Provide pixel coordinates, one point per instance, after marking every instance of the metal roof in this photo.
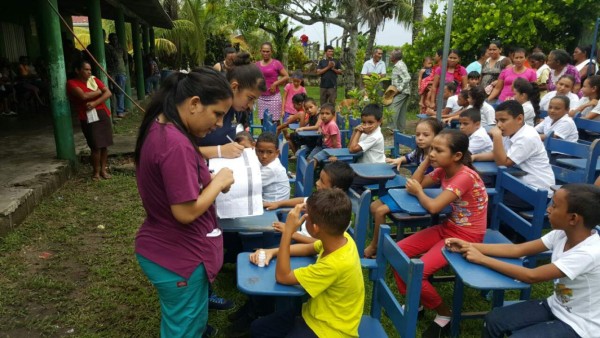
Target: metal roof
(150, 12)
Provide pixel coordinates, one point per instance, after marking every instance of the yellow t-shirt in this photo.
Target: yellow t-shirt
(335, 284)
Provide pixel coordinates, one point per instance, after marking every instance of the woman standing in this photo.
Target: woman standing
(271, 69)
(88, 96)
(454, 73)
(558, 61)
(508, 75)
(179, 246)
(581, 57)
(492, 67)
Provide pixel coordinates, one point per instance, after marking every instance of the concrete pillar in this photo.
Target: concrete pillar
(152, 42)
(97, 40)
(61, 113)
(122, 36)
(145, 39)
(137, 55)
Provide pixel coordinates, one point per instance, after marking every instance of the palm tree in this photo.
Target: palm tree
(375, 12)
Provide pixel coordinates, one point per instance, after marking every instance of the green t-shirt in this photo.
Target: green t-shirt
(335, 284)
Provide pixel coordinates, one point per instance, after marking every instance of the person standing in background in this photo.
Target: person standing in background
(329, 69)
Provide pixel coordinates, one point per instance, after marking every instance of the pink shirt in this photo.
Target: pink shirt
(457, 76)
(508, 75)
(469, 210)
(290, 92)
(330, 131)
(171, 171)
(271, 74)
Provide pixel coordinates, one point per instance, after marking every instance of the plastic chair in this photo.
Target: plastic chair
(305, 173)
(565, 174)
(404, 318)
(253, 126)
(359, 228)
(588, 129)
(284, 148)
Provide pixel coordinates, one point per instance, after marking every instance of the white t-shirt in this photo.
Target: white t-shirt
(525, 149)
(488, 115)
(373, 147)
(545, 102)
(564, 128)
(452, 103)
(480, 142)
(529, 113)
(576, 297)
(275, 182)
(586, 111)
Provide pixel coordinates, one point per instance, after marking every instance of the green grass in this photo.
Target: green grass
(91, 285)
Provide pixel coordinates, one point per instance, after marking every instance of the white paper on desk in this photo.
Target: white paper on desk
(245, 196)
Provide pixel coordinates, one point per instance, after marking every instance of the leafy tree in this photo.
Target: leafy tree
(376, 12)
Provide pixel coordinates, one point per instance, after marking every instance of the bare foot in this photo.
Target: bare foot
(370, 252)
(96, 178)
(105, 175)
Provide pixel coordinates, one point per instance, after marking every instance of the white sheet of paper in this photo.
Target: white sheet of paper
(92, 116)
(245, 196)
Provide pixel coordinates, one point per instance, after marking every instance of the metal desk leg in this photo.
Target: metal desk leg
(457, 302)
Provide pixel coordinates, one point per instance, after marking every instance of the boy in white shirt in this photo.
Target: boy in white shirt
(518, 144)
(275, 182)
(367, 136)
(572, 310)
(470, 125)
(558, 121)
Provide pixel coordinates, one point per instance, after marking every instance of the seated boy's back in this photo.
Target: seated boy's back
(275, 182)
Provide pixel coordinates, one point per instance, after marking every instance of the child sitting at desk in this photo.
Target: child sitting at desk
(275, 182)
(330, 131)
(572, 310)
(297, 117)
(245, 139)
(311, 121)
(516, 143)
(336, 174)
(367, 136)
(334, 283)
(464, 191)
(558, 121)
(563, 87)
(470, 125)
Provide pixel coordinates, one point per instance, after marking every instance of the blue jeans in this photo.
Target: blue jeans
(152, 83)
(318, 154)
(529, 319)
(120, 96)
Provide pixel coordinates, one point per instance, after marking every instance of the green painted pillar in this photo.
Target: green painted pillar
(122, 36)
(152, 40)
(145, 39)
(137, 55)
(97, 39)
(61, 113)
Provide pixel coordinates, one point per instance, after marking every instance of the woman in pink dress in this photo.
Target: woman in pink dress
(454, 73)
(503, 89)
(272, 69)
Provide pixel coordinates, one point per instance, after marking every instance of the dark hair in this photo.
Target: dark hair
(498, 43)
(565, 100)
(474, 75)
(458, 142)
(587, 49)
(561, 56)
(331, 209)
(328, 47)
(451, 86)
(268, 44)
(328, 105)
(583, 199)
(243, 135)
(567, 76)
(78, 64)
(511, 107)
(310, 99)
(595, 82)
(478, 95)
(454, 51)
(532, 91)
(299, 98)
(472, 114)
(440, 52)
(519, 50)
(435, 125)
(340, 173)
(374, 110)
(268, 137)
(482, 51)
(538, 56)
(464, 94)
(229, 50)
(246, 73)
(206, 83)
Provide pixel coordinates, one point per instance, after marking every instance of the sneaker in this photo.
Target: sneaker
(436, 331)
(210, 331)
(217, 303)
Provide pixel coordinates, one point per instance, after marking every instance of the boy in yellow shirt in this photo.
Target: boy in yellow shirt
(334, 283)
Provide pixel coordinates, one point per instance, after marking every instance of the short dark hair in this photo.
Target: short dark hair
(472, 114)
(374, 110)
(538, 56)
(328, 47)
(340, 173)
(451, 86)
(243, 135)
(299, 98)
(583, 199)
(561, 56)
(328, 105)
(331, 209)
(268, 137)
(565, 100)
(474, 75)
(512, 107)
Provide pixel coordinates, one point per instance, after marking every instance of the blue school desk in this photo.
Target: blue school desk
(486, 168)
(309, 133)
(342, 152)
(294, 126)
(481, 278)
(410, 203)
(578, 163)
(380, 172)
(261, 223)
(253, 280)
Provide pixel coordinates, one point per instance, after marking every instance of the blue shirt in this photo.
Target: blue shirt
(370, 67)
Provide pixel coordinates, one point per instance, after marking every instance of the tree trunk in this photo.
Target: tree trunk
(350, 59)
(371, 41)
(417, 19)
(172, 9)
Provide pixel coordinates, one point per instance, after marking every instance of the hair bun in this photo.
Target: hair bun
(242, 58)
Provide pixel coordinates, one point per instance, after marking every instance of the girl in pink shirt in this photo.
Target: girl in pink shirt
(291, 89)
